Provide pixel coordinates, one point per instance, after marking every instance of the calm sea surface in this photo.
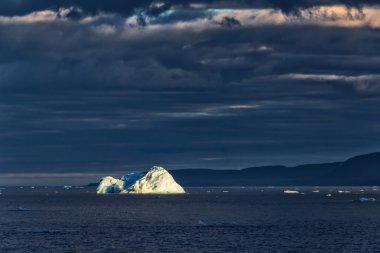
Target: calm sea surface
(205, 220)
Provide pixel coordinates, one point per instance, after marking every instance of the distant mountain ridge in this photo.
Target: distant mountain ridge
(356, 171)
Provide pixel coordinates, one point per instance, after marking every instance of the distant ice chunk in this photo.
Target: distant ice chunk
(364, 199)
(20, 208)
(291, 192)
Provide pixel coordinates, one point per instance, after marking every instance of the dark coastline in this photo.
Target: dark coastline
(356, 171)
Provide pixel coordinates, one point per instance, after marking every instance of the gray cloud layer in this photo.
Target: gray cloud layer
(94, 85)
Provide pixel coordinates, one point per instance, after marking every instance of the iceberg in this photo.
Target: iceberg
(156, 181)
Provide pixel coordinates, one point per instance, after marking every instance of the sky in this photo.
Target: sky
(93, 86)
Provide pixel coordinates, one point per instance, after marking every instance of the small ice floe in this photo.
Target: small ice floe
(21, 209)
(67, 187)
(316, 191)
(291, 192)
(328, 195)
(208, 191)
(225, 191)
(364, 199)
(341, 191)
(217, 223)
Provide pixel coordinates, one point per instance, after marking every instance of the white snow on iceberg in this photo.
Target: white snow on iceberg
(156, 181)
(110, 185)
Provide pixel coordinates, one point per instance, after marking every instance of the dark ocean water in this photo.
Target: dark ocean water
(205, 220)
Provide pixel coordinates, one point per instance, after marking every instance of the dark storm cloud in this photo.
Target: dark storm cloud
(19, 7)
(230, 22)
(91, 85)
